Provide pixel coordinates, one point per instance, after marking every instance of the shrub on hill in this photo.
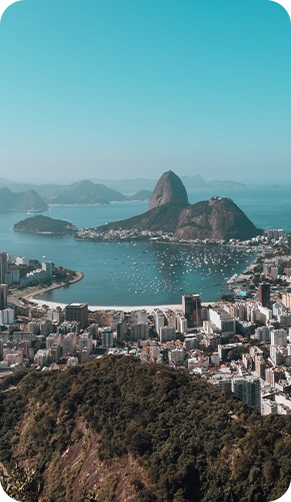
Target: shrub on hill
(193, 442)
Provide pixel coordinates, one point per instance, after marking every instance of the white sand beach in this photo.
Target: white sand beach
(125, 308)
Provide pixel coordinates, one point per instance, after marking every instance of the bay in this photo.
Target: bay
(144, 273)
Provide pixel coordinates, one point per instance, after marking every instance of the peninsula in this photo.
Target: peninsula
(171, 215)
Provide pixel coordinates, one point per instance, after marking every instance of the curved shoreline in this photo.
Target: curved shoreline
(29, 296)
(36, 291)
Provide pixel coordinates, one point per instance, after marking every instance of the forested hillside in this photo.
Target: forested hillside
(115, 429)
(45, 225)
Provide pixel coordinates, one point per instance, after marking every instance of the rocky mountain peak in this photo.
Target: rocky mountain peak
(169, 188)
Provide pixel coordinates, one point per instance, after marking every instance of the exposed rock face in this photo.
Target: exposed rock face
(168, 189)
(215, 219)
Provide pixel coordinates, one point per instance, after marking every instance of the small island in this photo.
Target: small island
(44, 225)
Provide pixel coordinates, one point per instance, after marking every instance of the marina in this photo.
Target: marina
(159, 273)
(144, 273)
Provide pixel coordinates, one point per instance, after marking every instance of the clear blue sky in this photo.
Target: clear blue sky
(129, 88)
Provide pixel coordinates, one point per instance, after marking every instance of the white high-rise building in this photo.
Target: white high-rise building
(275, 355)
(7, 316)
(159, 319)
(117, 316)
(139, 331)
(3, 266)
(222, 320)
(167, 333)
(170, 318)
(55, 315)
(182, 324)
(176, 355)
(51, 340)
(3, 296)
(248, 389)
(107, 337)
(139, 316)
(41, 357)
(22, 260)
(85, 342)
(34, 327)
(47, 266)
(69, 343)
(263, 334)
(279, 337)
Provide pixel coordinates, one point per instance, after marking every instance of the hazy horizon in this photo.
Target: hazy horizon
(115, 90)
(67, 181)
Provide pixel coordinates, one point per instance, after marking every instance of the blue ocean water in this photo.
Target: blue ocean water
(145, 273)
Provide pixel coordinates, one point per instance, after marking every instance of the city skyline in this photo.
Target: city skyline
(116, 91)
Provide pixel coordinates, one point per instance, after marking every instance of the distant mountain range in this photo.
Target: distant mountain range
(84, 192)
(125, 186)
(169, 211)
(190, 182)
(28, 197)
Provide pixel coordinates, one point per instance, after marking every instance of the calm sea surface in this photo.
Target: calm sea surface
(139, 273)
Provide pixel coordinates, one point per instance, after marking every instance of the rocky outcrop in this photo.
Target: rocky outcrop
(168, 189)
(216, 219)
